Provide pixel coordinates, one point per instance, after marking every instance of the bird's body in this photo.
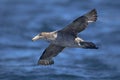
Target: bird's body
(66, 37)
(59, 38)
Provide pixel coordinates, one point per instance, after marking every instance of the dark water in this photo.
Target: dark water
(20, 20)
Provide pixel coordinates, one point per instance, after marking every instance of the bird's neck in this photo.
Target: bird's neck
(50, 35)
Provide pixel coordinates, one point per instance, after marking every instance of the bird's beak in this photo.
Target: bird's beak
(37, 37)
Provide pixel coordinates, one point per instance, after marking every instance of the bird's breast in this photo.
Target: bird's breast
(65, 40)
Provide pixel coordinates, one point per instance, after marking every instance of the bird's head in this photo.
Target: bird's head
(41, 35)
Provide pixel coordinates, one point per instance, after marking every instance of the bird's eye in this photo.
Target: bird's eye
(40, 34)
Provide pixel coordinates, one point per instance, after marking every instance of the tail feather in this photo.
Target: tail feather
(91, 16)
(45, 62)
(88, 45)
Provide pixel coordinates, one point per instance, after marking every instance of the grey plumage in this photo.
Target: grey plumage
(66, 37)
(50, 52)
(81, 23)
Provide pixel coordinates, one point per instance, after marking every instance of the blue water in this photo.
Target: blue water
(20, 20)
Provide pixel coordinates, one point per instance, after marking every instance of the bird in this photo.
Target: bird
(66, 37)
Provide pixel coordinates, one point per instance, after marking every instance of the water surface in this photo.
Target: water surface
(23, 19)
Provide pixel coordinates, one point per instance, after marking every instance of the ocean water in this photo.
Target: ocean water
(21, 20)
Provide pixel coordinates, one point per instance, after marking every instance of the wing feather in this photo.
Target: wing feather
(81, 23)
(51, 51)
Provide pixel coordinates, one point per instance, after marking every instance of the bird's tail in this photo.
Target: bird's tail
(88, 45)
(91, 16)
(45, 62)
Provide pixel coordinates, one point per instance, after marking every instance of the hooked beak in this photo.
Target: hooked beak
(37, 37)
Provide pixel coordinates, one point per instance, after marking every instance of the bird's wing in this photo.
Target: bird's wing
(81, 23)
(51, 51)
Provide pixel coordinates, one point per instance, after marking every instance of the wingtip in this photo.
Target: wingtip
(96, 47)
(94, 10)
(89, 45)
(92, 15)
(45, 62)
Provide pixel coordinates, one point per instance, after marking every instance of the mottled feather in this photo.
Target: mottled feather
(67, 37)
(51, 51)
(81, 23)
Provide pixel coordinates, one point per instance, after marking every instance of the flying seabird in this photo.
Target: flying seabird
(66, 37)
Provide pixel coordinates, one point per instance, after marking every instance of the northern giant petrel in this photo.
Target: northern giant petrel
(66, 37)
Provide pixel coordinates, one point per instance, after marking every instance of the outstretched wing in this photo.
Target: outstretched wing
(51, 51)
(81, 23)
